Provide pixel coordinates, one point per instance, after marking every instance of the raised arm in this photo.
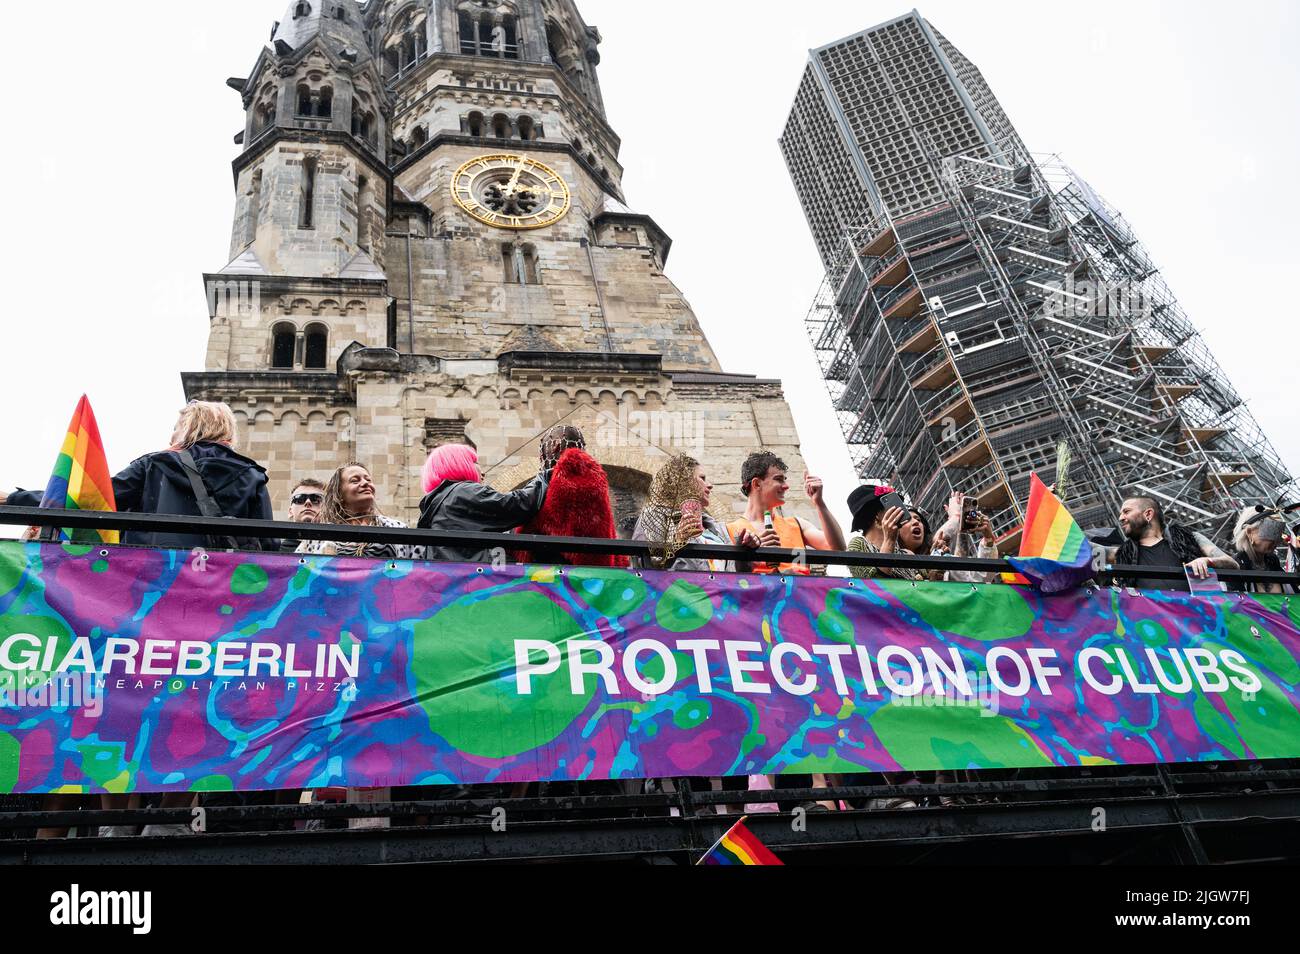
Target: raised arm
(829, 536)
(952, 530)
(503, 512)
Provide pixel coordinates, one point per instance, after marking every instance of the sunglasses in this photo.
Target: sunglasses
(301, 500)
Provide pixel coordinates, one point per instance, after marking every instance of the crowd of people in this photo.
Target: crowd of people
(201, 474)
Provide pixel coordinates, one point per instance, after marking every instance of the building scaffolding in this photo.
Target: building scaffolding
(997, 308)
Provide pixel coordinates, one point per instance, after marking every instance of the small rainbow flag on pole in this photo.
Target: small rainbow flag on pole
(739, 847)
(81, 479)
(1055, 554)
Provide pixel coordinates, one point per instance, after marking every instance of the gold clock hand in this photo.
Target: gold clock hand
(514, 180)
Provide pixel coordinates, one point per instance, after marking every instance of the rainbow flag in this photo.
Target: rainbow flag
(81, 479)
(739, 847)
(1055, 554)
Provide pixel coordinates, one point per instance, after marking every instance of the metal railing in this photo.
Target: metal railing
(545, 548)
(507, 51)
(902, 290)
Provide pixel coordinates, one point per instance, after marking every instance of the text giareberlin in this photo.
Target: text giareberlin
(186, 659)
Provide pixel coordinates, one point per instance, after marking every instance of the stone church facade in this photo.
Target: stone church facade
(431, 243)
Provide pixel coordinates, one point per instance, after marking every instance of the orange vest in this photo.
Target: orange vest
(791, 535)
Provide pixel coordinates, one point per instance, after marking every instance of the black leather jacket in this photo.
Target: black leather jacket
(157, 483)
(460, 505)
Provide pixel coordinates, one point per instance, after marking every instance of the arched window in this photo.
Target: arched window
(325, 104)
(468, 34)
(520, 263)
(532, 271)
(284, 339)
(302, 10)
(487, 32)
(511, 27)
(501, 126)
(304, 100)
(418, 138)
(340, 14)
(317, 351)
(363, 123)
(527, 131)
(628, 493)
(564, 53)
(308, 196)
(474, 124)
(363, 212)
(264, 116)
(254, 207)
(554, 41)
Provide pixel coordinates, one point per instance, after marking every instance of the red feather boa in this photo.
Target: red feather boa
(577, 505)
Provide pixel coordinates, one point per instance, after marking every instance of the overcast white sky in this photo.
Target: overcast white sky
(1183, 114)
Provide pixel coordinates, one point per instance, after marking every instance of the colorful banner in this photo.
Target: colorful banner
(142, 670)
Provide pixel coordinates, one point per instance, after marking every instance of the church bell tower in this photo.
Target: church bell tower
(432, 243)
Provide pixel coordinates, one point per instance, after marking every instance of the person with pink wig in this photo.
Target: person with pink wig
(458, 501)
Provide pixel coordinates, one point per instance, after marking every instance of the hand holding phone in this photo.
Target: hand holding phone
(1202, 578)
(893, 521)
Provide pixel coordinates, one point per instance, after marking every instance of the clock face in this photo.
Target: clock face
(511, 192)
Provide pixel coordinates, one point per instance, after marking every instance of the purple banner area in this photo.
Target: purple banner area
(128, 670)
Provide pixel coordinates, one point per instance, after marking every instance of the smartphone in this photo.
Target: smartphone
(893, 500)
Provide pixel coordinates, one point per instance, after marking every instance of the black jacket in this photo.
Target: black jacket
(1181, 540)
(462, 506)
(157, 483)
(1271, 564)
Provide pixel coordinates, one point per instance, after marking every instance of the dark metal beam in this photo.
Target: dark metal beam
(1053, 824)
(544, 546)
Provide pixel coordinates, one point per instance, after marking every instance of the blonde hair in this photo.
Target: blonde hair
(1250, 517)
(204, 421)
(1240, 535)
